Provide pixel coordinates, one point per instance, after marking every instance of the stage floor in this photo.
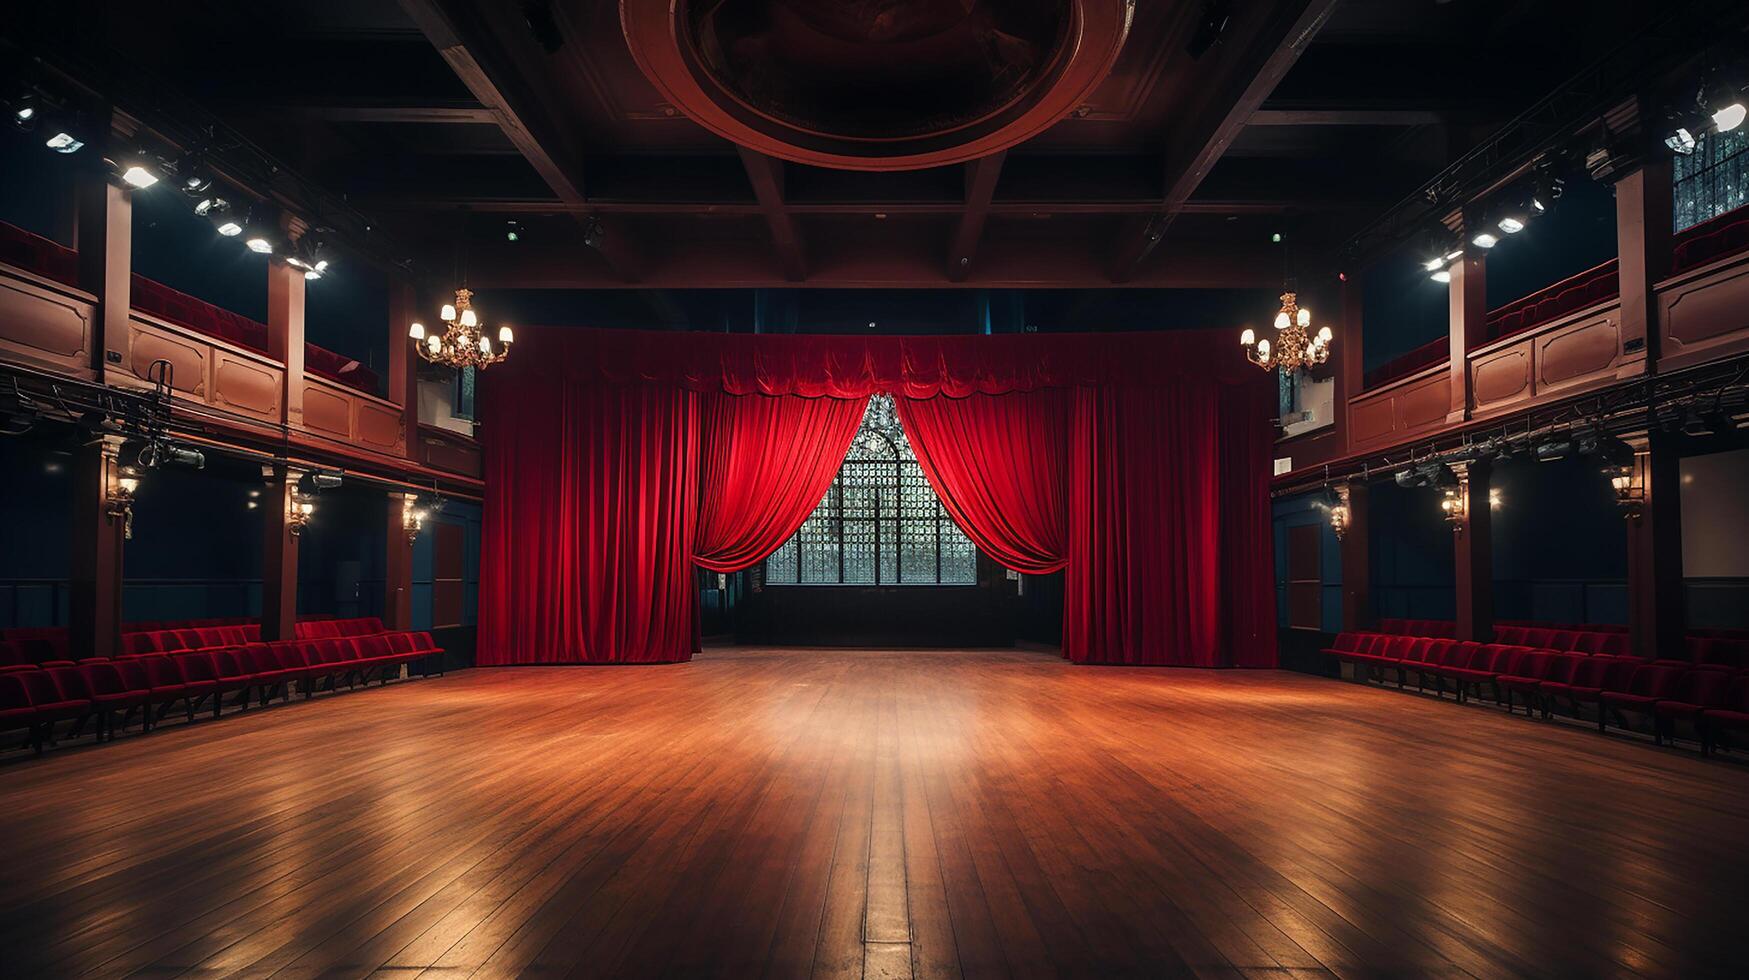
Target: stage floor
(853, 813)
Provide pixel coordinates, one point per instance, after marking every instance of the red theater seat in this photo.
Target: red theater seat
(1522, 676)
(16, 712)
(51, 702)
(1640, 694)
(1587, 678)
(1699, 690)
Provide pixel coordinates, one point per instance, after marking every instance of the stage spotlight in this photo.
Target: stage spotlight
(64, 142)
(512, 231)
(138, 175)
(259, 244)
(316, 481)
(1554, 448)
(1681, 141)
(1511, 223)
(1725, 104)
(196, 181)
(1442, 276)
(218, 211)
(24, 113)
(1407, 478)
(1485, 239)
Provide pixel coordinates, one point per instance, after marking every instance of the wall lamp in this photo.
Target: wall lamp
(412, 517)
(299, 511)
(119, 500)
(1340, 513)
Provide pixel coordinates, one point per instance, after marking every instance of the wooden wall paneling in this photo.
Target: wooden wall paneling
(249, 386)
(1704, 314)
(1583, 354)
(449, 451)
(1643, 206)
(189, 357)
(43, 327)
(326, 410)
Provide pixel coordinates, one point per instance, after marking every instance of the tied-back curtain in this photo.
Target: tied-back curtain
(764, 464)
(589, 524)
(1000, 464)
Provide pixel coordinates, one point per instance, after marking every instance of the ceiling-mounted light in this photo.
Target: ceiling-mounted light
(512, 231)
(1441, 276)
(24, 113)
(1511, 224)
(138, 173)
(259, 244)
(1681, 141)
(194, 179)
(1485, 239)
(1724, 103)
(64, 142)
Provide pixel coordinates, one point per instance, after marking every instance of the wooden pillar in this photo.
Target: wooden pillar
(398, 568)
(1643, 216)
(1350, 357)
(1469, 314)
(104, 239)
(94, 593)
(1473, 549)
(1656, 623)
(279, 554)
(403, 363)
(1356, 549)
(285, 330)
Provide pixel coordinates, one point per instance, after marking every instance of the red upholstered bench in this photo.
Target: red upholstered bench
(1727, 234)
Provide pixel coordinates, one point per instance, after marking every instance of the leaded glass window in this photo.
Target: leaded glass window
(880, 523)
(1711, 180)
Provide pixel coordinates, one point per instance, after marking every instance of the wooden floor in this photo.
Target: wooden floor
(880, 814)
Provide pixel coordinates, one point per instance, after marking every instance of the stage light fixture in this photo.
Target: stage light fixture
(1554, 448)
(1724, 103)
(259, 245)
(138, 175)
(64, 142)
(1511, 224)
(512, 231)
(1485, 239)
(1681, 141)
(24, 113)
(1442, 276)
(195, 181)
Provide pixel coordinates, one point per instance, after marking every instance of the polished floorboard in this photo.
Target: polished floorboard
(846, 813)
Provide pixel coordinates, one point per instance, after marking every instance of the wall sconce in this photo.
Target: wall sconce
(1455, 504)
(299, 513)
(412, 518)
(1339, 513)
(120, 498)
(1630, 491)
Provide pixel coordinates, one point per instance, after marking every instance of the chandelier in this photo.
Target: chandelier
(463, 342)
(1294, 349)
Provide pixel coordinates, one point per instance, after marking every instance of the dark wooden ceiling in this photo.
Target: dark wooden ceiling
(447, 119)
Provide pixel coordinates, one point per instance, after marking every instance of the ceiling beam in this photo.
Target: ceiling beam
(454, 30)
(1260, 46)
(981, 177)
(1344, 116)
(448, 113)
(766, 176)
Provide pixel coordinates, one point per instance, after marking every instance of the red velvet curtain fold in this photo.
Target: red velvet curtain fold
(1000, 464)
(764, 464)
(1140, 463)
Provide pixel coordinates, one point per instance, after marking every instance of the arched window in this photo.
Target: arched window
(880, 523)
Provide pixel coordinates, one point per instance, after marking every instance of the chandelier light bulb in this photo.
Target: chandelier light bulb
(1281, 320)
(1324, 335)
(448, 314)
(485, 345)
(434, 343)
(505, 337)
(1303, 317)
(469, 319)
(416, 331)
(1263, 347)
(1248, 338)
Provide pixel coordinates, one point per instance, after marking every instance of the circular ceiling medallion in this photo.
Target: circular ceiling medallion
(876, 84)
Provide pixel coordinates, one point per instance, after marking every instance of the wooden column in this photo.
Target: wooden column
(285, 332)
(398, 568)
(1356, 548)
(1469, 313)
(104, 238)
(279, 554)
(1350, 357)
(403, 363)
(1473, 549)
(94, 586)
(1643, 215)
(1655, 596)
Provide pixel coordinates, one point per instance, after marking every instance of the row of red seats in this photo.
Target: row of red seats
(1580, 640)
(1418, 627)
(1727, 234)
(1710, 698)
(50, 648)
(100, 692)
(52, 260)
(1588, 288)
(150, 625)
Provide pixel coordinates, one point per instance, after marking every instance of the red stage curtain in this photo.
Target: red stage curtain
(764, 465)
(1170, 561)
(1000, 464)
(588, 533)
(593, 472)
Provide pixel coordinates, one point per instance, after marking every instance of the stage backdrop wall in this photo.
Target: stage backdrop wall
(616, 460)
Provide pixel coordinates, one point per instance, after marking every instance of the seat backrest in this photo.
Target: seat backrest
(336, 651)
(374, 645)
(290, 654)
(1562, 639)
(162, 671)
(1706, 687)
(1398, 647)
(70, 681)
(258, 657)
(1509, 634)
(1723, 652)
(138, 643)
(99, 678)
(402, 642)
(1537, 636)
(229, 662)
(1656, 680)
(11, 656)
(41, 686)
(13, 693)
